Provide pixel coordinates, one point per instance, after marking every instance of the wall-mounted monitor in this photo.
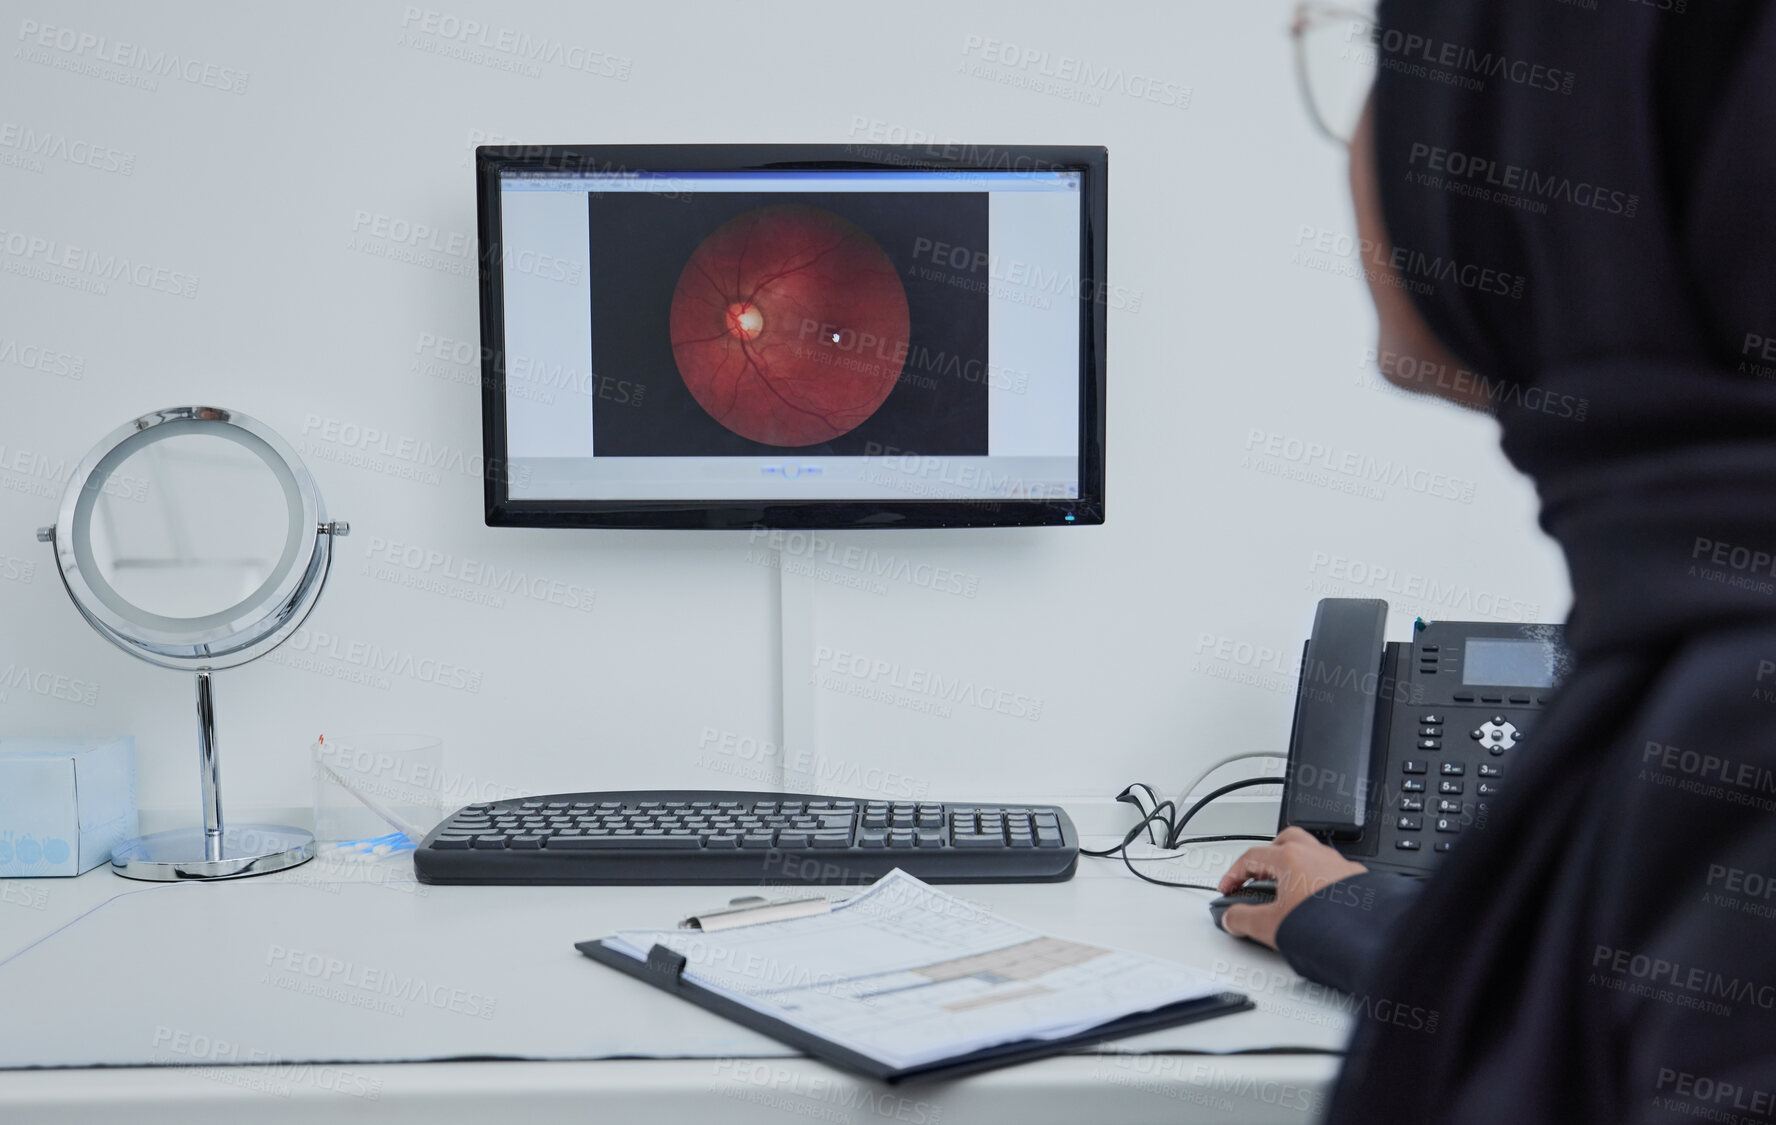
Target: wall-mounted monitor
(796, 336)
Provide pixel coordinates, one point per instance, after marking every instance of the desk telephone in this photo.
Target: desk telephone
(1398, 748)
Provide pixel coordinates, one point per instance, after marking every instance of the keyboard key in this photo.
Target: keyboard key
(1412, 767)
(1487, 769)
(756, 840)
(452, 842)
(1452, 769)
(924, 839)
(722, 842)
(1445, 845)
(1407, 845)
(832, 839)
(1412, 785)
(593, 843)
(901, 839)
(1412, 804)
(1409, 823)
(526, 842)
(1449, 808)
(1448, 824)
(994, 841)
(868, 839)
(792, 839)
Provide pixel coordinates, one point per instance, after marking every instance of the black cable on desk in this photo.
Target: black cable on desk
(1158, 814)
(1178, 825)
(1174, 833)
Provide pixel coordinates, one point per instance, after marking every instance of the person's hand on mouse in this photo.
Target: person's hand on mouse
(1300, 865)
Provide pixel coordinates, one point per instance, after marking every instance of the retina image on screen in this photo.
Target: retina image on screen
(798, 335)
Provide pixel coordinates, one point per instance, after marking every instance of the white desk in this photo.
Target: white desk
(156, 995)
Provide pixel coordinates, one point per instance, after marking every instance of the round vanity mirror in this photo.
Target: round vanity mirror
(194, 538)
(189, 527)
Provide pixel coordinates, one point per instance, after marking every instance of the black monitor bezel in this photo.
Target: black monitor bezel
(503, 511)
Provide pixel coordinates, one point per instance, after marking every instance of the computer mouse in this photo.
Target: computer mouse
(1258, 891)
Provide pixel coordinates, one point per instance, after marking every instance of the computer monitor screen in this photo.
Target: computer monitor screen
(792, 336)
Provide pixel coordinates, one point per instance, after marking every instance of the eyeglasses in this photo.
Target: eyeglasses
(1335, 60)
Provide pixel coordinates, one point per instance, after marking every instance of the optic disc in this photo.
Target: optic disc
(745, 320)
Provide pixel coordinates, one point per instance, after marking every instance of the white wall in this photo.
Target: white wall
(1134, 650)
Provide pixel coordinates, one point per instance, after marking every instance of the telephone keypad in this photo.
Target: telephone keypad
(1425, 741)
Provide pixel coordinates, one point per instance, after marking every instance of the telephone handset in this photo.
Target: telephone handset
(1399, 748)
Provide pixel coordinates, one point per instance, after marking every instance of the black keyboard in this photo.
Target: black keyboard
(649, 836)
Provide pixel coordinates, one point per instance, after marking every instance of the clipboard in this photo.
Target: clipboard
(664, 968)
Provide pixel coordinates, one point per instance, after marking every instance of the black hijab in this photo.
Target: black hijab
(1605, 948)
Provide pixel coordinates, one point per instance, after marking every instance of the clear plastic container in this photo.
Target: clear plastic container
(376, 795)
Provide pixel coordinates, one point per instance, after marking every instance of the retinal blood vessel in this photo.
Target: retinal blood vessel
(789, 325)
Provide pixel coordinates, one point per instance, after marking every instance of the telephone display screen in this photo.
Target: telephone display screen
(1490, 662)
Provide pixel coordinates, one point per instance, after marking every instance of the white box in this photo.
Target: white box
(64, 803)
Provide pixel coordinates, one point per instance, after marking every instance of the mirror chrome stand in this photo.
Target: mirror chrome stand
(214, 851)
(192, 639)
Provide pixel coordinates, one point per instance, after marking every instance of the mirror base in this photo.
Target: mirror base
(179, 855)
